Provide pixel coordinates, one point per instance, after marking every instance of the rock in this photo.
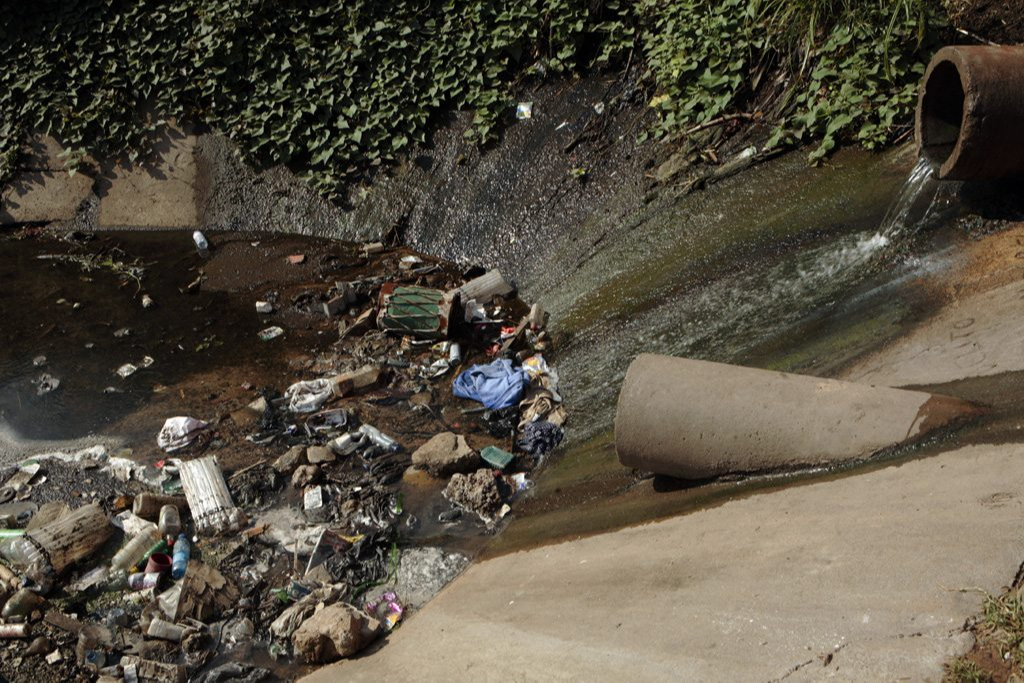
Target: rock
(318, 455)
(295, 456)
(259, 405)
(478, 492)
(39, 646)
(334, 632)
(305, 475)
(446, 454)
(350, 382)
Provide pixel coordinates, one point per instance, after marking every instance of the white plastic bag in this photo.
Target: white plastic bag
(179, 432)
(306, 397)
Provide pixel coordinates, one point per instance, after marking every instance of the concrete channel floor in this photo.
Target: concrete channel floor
(762, 588)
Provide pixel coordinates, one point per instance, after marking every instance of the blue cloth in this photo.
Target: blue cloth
(497, 386)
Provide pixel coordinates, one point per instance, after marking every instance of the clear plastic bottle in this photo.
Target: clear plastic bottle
(170, 521)
(128, 556)
(201, 244)
(179, 562)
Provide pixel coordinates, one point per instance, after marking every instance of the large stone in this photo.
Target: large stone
(293, 457)
(446, 454)
(354, 381)
(158, 192)
(305, 475)
(479, 492)
(318, 455)
(334, 632)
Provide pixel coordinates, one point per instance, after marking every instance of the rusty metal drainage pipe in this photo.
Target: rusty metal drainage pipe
(698, 420)
(970, 112)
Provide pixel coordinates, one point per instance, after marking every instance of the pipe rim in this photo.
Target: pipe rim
(934, 110)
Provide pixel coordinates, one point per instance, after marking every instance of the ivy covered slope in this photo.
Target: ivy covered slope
(334, 89)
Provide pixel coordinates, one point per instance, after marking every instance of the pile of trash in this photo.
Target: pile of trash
(169, 569)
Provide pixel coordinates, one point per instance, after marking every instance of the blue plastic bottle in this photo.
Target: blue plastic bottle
(182, 551)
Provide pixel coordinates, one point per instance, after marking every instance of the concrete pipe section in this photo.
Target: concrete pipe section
(970, 112)
(697, 420)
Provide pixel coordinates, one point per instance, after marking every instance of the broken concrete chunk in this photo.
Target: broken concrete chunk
(318, 455)
(446, 454)
(356, 380)
(479, 492)
(334, 632)
(294, 457)
(305, 475)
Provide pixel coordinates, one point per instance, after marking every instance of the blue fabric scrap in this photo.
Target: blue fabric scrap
(497, 385)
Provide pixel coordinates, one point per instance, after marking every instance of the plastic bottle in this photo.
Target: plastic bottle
(170, 521)
(347, 443)
(149, 505)
(182, 551)
(139, 581)
(128, 556)
(201, 244)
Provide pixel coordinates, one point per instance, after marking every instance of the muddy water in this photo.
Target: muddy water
(81, 320)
